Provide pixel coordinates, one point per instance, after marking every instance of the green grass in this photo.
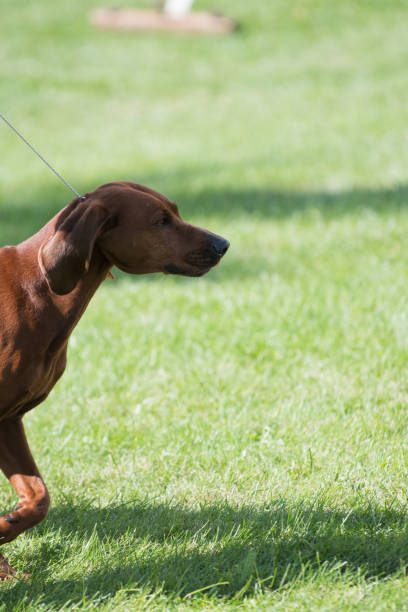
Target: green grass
(237, 441)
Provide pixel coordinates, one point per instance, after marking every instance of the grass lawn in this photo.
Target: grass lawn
(237, 441)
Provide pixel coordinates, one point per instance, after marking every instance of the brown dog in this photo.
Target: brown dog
(46, 283)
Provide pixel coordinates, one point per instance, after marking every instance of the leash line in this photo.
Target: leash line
(15, 130)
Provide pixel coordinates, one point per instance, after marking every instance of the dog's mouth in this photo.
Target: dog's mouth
(173, 269)
(198, 264)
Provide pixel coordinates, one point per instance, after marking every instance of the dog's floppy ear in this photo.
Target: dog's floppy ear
(65, 258)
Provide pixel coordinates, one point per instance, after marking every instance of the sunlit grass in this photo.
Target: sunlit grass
(237, 441)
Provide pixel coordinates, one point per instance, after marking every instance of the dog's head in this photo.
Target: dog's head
(135, 228)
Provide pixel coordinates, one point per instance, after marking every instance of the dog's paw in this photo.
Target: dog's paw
(7, 572)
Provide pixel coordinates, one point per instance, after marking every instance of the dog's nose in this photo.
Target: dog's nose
(220, 245)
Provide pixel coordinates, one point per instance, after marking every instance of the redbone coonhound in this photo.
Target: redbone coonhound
(46, 283)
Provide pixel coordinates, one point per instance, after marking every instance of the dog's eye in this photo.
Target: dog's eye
(163, 221)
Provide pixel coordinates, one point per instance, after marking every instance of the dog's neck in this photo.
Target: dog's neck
(72, 305)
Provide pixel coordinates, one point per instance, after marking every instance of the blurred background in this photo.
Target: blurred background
(272, 393)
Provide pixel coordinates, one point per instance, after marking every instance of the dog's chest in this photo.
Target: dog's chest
(24, 383)
(32, 359)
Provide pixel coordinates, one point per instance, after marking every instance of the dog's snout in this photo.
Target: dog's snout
(220, 245)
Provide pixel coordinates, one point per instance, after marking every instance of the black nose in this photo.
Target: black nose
(220, 245)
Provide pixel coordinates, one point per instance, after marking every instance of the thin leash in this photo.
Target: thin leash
(41, 157)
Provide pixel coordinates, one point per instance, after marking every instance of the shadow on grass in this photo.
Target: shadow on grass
(177, 550)
(27, 211)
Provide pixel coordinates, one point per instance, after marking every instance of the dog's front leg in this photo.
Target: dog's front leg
(17, 463)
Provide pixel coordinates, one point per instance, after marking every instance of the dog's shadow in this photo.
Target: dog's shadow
(178, 551)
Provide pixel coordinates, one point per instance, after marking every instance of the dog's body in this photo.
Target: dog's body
(46, 283)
